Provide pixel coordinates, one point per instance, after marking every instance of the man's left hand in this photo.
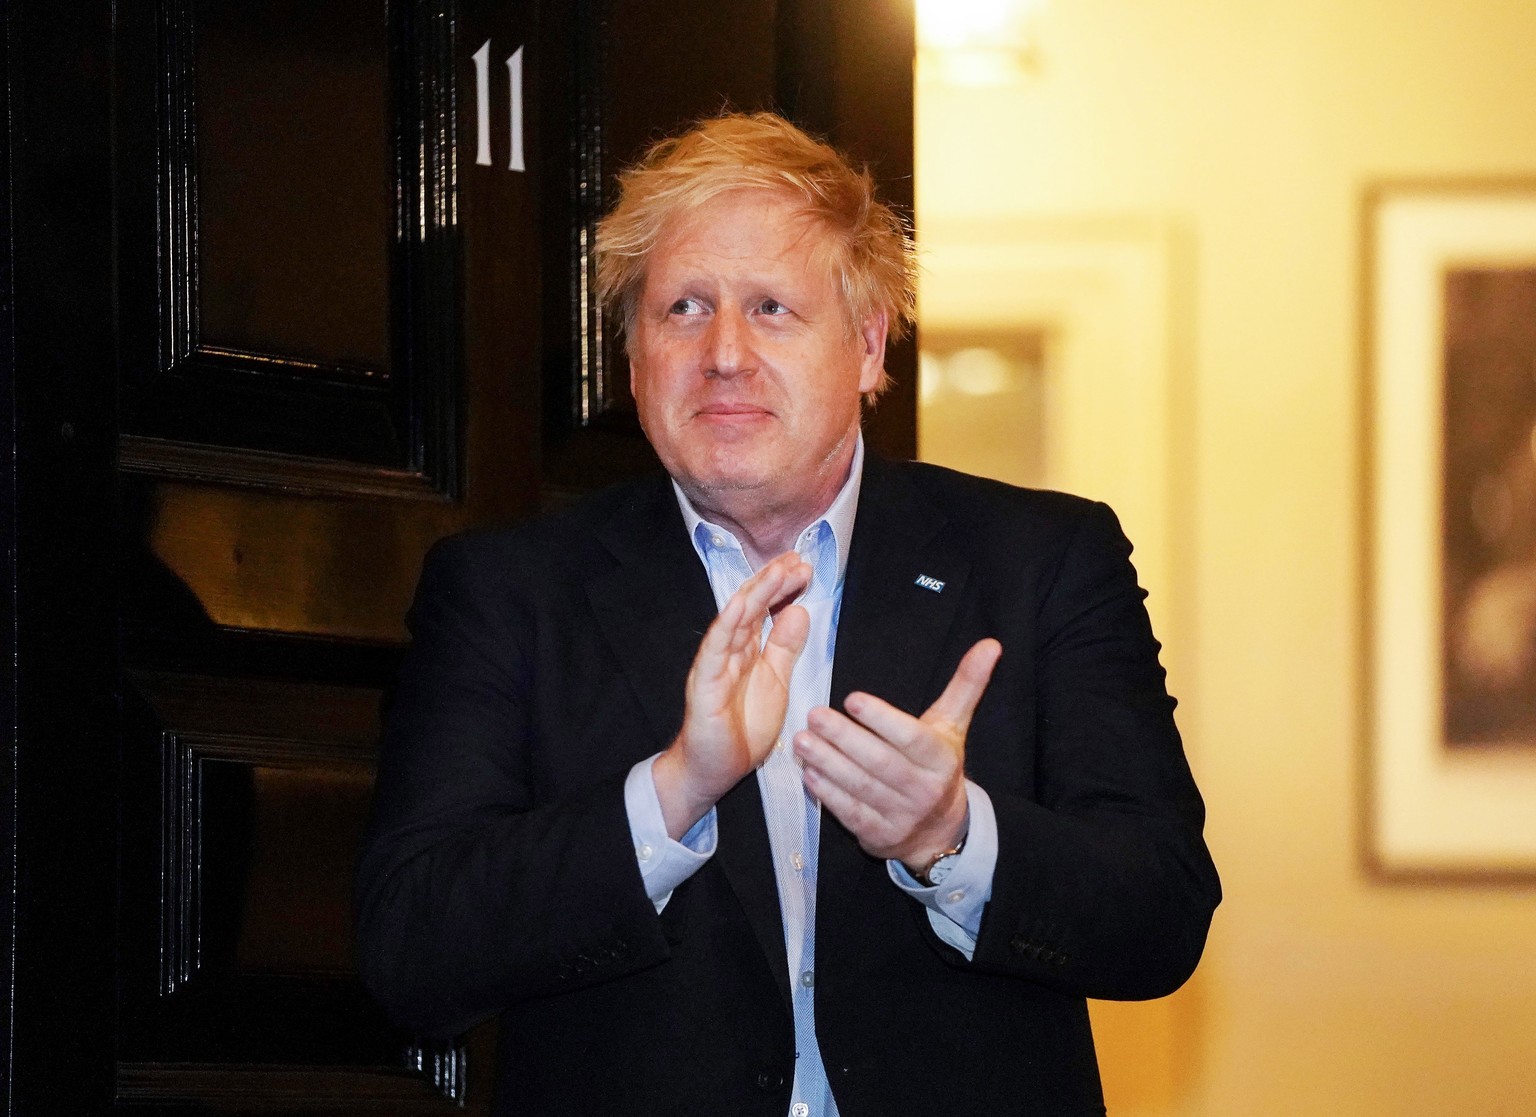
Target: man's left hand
(897, 782)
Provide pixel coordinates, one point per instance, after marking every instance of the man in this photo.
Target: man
(800, 783)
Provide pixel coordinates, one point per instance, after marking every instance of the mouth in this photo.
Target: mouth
(732, 412)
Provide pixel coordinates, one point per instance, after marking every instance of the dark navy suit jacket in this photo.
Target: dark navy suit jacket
(498, 875)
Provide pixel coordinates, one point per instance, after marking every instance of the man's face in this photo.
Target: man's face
(746, 373)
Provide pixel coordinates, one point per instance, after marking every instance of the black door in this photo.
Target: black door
(293, 289)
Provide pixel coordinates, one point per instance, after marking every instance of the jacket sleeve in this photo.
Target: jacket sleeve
(1103, 887)
(471, 894)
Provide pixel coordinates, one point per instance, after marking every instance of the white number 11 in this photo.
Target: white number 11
(483, 106)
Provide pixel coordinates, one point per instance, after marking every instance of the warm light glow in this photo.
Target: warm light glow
(930, 376)
(980, 372)
(967, 23)
(978, 42)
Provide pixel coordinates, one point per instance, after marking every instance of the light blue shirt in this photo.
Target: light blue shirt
(794, 818)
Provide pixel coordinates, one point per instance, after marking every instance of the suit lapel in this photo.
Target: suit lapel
(746, 858)
(654, 604)
(653, 608)
(904, 586)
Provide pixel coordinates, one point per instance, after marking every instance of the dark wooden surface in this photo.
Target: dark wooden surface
(269, 329)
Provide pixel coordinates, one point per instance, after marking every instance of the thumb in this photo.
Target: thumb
(957, 703)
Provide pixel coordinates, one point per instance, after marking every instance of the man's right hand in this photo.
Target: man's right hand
(737, 692)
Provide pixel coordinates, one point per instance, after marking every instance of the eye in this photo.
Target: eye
(772, 307)
(685, 306)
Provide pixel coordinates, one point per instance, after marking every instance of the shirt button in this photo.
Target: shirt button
(800, 1109)
(956, 896)
(808, 979)
(717, 540)
(797, 861)
(644, 852)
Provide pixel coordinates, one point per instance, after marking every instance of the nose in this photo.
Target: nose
(729, 350)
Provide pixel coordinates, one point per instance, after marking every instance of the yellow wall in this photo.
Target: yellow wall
(1236, 139)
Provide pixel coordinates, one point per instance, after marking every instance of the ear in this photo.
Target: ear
(872, 351)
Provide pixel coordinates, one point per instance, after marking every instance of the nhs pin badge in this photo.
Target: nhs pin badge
(929, 583)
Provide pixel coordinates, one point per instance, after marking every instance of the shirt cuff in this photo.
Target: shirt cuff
(664, 863)
(955, 907)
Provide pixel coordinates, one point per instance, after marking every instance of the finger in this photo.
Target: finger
(817, 754)
(895, 726)
(737, 629)
(716, 647)
(958, 702)
(740, 622)
(786, 639)
(862, 820)
(784, 577)
(795, 575)
(872, 752)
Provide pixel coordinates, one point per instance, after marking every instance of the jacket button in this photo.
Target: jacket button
(769, 1080)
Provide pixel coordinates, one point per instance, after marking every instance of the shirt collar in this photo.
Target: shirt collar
(838, 517)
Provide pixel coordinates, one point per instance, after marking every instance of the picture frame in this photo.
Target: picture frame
(1449, 282)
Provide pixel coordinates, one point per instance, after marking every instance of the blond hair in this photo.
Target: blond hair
(871, 249)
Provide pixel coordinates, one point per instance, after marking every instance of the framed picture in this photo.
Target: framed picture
(1450, 293)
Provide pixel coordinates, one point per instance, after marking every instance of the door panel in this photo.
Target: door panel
(237, 986)
(286, 242)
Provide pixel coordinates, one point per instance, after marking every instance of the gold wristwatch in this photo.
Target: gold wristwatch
(939, 866)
